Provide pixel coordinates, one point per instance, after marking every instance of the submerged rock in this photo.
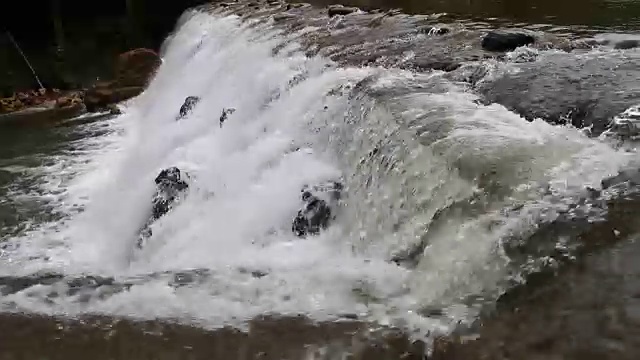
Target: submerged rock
(501, 41)
(626, 44)
(296, 5)
(114, 109)
(189, 103)
(169, 187)
(582, 91)
(316, 212)
(629, 177)
(341, 10)
(283, 17)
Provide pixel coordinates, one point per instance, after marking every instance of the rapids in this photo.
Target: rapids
(426, 165)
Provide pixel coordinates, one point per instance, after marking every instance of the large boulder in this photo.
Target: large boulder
(134, 71)
(137, 67)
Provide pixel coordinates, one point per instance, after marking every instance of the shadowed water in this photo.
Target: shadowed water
(606, 14)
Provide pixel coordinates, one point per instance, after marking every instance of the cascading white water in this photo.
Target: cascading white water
(432, 149)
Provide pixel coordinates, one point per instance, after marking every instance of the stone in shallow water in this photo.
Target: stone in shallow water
(627, 44)
(626, 125)
(283, 17)
(630, 177)
(506, 40)
(341, 10)
(169, 187)
(316, 212)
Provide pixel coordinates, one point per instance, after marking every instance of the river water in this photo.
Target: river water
(451, 199)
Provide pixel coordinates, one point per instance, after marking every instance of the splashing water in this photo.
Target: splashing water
(408, 147)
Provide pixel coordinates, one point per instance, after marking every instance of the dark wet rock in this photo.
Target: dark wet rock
(283, 17)
(334, 10)
(630, 177)
(316, 212)
(581, 44)
(626, 126)
(14, 284)
(586, 91)
(593, 194)
(254, 273)
(77, 285)
(189, 277)
(134, 70)
(170, 186)
(100, 96)
(435, 64)
(627, 44)
(189, 103)
(137, 67)
(296, 5)
(501, 41)
(114, 109)
(225, 114)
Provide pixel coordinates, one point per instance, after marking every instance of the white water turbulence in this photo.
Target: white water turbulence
(405, 145)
